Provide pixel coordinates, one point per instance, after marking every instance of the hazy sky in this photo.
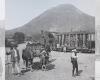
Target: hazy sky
(19, 12)
(2, 9)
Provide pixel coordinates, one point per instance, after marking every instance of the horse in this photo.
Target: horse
(27, 56)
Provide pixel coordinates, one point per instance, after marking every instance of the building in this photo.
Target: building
(78, 39)
(74, 39)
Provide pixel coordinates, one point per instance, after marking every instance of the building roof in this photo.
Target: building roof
(78, 32)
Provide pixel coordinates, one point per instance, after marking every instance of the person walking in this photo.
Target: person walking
(74, 62)
(15, 60)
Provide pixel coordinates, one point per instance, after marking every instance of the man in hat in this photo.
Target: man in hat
(15, 59)
(74, 62)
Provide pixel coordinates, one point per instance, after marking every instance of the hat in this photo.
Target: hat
(74, 50)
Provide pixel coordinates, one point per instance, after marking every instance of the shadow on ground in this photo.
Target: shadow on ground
(80, 71)
(52, 60)
(37, 66)
(50, 67)
(24, 71)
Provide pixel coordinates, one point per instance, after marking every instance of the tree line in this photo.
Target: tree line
(17, 38)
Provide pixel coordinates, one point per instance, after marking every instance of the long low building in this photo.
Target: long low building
(76, 39)
(80, 39)
(73, 39)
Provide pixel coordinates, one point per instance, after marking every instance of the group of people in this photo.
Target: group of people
(43, 53)
(27, 56)
(44, 58)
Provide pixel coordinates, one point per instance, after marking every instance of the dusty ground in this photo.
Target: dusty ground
(60, 68)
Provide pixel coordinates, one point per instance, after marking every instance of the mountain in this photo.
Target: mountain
(62, 18)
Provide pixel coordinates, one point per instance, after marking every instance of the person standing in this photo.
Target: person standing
(15, 60)
(58, 46)
(74, 62)
(48, 50)
(64, 49)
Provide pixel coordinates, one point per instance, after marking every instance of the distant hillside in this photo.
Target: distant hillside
(62, 18)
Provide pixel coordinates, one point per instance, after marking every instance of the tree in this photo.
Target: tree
(51, 40)
(50, 35)
(19, 37)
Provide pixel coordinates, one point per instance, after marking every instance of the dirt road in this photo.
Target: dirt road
(60, 68)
